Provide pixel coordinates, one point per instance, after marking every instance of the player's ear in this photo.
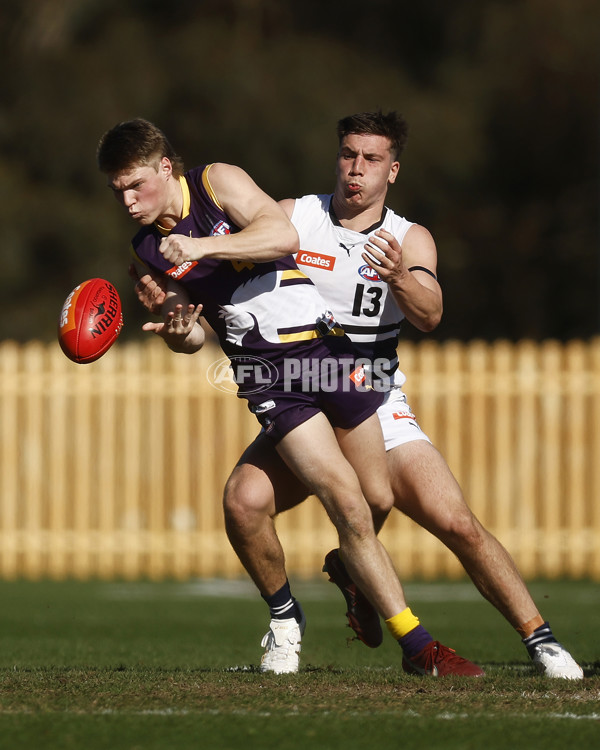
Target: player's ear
(165, 166)
(393, 172)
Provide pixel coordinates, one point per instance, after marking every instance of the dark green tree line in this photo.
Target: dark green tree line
(502, 99)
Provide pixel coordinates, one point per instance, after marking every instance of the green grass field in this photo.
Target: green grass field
(174, 665)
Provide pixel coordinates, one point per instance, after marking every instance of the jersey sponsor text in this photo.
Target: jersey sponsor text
(177, 272)
(326, 262)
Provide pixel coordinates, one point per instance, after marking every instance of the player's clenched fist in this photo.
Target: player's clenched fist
(178, 249)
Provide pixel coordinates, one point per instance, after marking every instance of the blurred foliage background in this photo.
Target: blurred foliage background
(502, 164)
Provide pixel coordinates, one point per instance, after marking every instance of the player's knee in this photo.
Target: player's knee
(244, 500)
(463, 529)
(381, 505)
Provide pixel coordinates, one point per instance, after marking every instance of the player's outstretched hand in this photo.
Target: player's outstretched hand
(181, 330)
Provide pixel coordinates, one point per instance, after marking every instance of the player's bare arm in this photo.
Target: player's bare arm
(287, 204)
(416, 291)
(266, 232)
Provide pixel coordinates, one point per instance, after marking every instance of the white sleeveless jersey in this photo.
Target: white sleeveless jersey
(360, 301)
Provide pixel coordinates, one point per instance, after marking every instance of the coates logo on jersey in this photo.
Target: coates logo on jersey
(178, 272)
(316, 260)
(368, 273)
(221, 227)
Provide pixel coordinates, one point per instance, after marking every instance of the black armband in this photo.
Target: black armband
(422, 268)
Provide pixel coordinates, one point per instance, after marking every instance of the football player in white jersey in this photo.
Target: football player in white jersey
(375, 269)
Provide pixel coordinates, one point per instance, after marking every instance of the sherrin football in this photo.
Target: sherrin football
(90, 321)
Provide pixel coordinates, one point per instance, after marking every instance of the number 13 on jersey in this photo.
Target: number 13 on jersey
(367, 301)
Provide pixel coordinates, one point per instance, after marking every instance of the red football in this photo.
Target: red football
(90, 321)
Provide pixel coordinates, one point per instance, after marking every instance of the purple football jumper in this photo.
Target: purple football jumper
(269, 314)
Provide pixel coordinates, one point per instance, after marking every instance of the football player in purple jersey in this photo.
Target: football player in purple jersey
(223, 247)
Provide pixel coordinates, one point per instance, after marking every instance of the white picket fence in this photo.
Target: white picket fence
(116, 469)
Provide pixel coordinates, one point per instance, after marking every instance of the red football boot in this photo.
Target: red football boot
(362, 616)
(438, 660)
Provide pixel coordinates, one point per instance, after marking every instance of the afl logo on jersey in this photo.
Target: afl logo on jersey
(368, 273)
(221, 227)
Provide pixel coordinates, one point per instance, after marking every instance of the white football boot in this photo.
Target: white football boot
(282, 646)
(553, 660)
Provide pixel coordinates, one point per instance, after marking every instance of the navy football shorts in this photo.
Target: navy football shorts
(320, 377)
